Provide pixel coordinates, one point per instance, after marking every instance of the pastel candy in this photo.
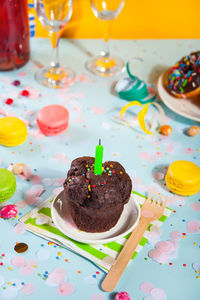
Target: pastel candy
(53, 119)
(7, 184)
(122, 296)
(13, 131)
(8, 211)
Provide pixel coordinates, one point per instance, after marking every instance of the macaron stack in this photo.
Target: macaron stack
(7, 185)
(183, 178)
(53, 119)
(13, 131)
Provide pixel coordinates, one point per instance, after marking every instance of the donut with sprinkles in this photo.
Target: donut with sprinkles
(184, 77)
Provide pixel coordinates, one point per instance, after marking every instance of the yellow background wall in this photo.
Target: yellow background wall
(138, 19)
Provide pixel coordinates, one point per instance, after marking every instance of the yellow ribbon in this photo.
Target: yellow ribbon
(141, 115)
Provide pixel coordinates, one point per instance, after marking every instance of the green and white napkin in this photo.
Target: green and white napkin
(102, 255)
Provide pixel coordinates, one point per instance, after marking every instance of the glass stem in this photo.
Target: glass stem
(106, 24)
(105, 52)
(54, 42)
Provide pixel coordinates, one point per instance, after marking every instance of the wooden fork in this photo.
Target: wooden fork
(151, 210)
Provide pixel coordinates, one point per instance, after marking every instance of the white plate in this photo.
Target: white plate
(127, 222)
(184, 107)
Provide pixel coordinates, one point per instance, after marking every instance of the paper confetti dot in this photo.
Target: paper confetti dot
(175, 243)
(56, 277)
(27, 270)
(28, 289)
(36, 179)
(196, 266)
(19, 228)
(27, 171)
(108, 261)
(193, 226)
(146, 287)
(158, 294)
(1, 280)
(158, 176)
(175, 235)
(154, 253)
(18, 261)
(65, 289)
(148, 298)
(43, 254)
(41, 220)
(97, 110)
(20, 204)
(165, 246)
(10, 292)
(147, 213)
(195, 206)
(97, 297)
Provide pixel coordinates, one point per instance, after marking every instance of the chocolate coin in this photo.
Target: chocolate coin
(21, 247)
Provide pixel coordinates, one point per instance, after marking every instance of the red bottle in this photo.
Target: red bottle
(14, 34)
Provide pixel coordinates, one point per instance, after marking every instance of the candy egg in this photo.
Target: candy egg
(193, 130)
(122, 296)
(18, 168)
(165, 130)
(8, 211)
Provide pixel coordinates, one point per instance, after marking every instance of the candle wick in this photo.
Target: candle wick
(99, 141)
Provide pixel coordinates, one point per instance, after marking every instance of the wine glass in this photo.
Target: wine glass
(106, 65)
(54, 15)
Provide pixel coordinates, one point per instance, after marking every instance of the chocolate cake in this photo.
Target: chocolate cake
(96, 201)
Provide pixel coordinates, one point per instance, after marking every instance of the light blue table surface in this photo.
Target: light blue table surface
(91, 106)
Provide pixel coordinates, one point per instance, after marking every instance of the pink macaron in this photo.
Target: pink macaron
(53, 119)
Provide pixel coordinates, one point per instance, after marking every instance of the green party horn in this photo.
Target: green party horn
(132, 88)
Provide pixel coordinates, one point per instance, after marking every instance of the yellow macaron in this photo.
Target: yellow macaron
(13, 131)
(183, 178)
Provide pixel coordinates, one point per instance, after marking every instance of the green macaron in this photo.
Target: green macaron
(7, 184)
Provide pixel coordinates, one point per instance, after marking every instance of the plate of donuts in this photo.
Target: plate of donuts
(186, 107)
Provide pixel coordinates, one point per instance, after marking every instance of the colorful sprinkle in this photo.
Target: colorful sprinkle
(16, 82)
(9, 101)
(25, 93)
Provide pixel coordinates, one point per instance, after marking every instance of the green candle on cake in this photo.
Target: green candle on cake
(98, 159)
